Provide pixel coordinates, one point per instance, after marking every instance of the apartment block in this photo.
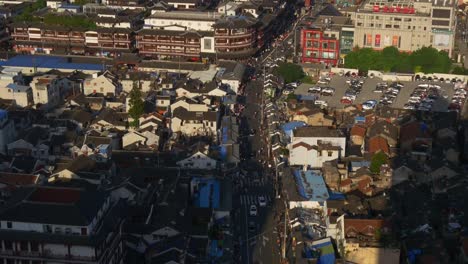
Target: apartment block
(407, 25)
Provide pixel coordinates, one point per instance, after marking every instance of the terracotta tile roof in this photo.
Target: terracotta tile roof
(302, 144)
(412, 131)
(55, 195)
(18, 179)
(346, 182)
(378, 144)
(358, 131)
(367, 227)
(465, 245)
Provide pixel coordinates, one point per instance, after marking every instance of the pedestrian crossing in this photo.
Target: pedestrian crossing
(253, 199)
(248, 182)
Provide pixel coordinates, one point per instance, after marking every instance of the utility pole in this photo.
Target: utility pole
(285, 234)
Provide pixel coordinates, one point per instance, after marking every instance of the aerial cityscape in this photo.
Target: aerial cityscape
(233, 131)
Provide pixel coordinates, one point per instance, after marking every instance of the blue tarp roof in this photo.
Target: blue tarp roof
(51, 62)
(324, 249)
(336, 196)
(359, 119)
(289, 127)
(215, 250)
(311, 186)
(209, 192)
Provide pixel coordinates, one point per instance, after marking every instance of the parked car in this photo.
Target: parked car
(369, 104)
(346, 100)
(262, 201)
(253, 210)
(315, 89)
(328, 91)
(252, 227)
(321, 103)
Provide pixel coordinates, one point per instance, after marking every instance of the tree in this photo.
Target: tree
(430, 60)
(136, 104)
(459, 70)
(378, 159)
(290, 72)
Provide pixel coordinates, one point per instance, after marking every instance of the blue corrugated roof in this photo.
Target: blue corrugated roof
(215, 250)
(311, 186)
(52, 62)
(209, 192)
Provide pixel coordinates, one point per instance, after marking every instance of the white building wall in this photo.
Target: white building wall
(301, 156)
(82, 251)
(56, 249)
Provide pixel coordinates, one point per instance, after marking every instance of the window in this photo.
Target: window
(359, 24)
(208, 164)
(377, 40)
(9, 225)
(369, 39)
(325, 45)
(330, 153)
(396, 19)
(84, 231)
(395, 41)
(388, 26)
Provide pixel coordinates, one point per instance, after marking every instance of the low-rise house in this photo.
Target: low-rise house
(232, 74)
(415, 136)
(145, 81)
(198, 158)
(358, 134)
(140, 138)
(191, 88)
(79, 117)
(151, 121)
(110, 119)
(22, 94)
(312, 146)
(46, 90)
(190, 104)
(384, 129)
(106, 84)
(364, 232)
(378, 144)
(194, 123)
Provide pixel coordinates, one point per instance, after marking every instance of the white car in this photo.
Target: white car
(368, 105)
(293, 84)
(321, 103)
(262, 201)
(322, 82)
(253, 210)
(315, 89)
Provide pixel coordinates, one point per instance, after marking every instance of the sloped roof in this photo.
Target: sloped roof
(378, 144)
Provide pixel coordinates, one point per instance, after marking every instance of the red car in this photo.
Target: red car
(346, 101)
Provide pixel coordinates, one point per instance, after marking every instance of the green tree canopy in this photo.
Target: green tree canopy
(378, 159)
(136, 104)
(425, 59)
(70, 21)
(290, 72)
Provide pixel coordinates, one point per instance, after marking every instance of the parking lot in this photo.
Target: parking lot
(367, 93)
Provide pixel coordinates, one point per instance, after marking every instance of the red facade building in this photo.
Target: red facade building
(318, 48)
